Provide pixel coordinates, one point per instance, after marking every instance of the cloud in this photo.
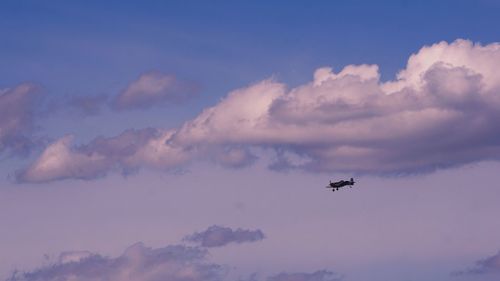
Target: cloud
(137, 263)
(490, 265)
(218, 236)
(88, 105)
(126, 152)
(17, 114)
(441, 111)
(141, 263)
(149, 89)
(153, 88)
(321, 275)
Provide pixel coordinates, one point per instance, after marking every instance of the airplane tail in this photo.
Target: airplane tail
(352, 181)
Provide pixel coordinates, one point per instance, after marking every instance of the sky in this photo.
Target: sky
(193, 140)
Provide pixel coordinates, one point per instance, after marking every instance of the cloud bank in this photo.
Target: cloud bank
(141, 263)
(218, 236)
(137, 263)
(17, 107)
(441, 111)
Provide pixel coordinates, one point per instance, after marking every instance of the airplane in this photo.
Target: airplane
(336, 185)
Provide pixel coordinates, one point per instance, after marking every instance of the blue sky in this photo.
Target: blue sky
(92, 48)
(172, 140)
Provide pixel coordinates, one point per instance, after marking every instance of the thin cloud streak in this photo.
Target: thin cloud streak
(218, 236)
(320, 275)
(153, 88)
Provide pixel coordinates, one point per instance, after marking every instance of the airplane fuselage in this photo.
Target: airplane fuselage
(340, 184)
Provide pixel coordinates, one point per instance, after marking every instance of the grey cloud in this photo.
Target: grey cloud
(489, 265)
(17, 117)
(88, 105)
(153, 88)
(137, 263)
(218, 236)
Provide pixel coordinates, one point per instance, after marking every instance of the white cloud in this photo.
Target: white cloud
(58, 161)
(441, 111)
(128, 151)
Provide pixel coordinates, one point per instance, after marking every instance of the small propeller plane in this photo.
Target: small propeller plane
(339, 184)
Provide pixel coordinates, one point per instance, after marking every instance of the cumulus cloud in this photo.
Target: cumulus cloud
(218, 236)
(442, 110)
(137, 263)
(153, 88)
(17, 110)
(490, 265)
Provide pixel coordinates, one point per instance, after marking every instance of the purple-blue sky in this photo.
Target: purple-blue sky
(192, 140)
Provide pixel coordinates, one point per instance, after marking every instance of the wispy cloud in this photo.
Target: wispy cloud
(489, 265)
(218, 236)
(153, 88)
(88, 105)
(17, 117)
(321, 275)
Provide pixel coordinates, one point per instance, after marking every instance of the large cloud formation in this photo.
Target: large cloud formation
(17, 108)
(218, 236)
(442, 110)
